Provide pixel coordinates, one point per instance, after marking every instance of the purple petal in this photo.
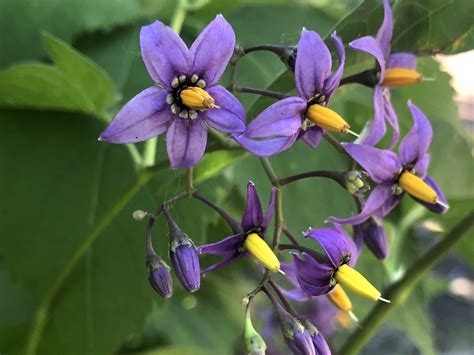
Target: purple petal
(145, 116)
(402, 60)
(283, 118)
(230, 117)
(384, 35)
(253, 214)
(271, 208)
(436, 207)
(313, 64)
(212, 50)
(332, 83)
(164, 53)
(265, 148)
(370, 46)
(185, 262)
(382, 165)
(375, 202)
(295, 294)
(186, 141)
(416, 142)
(376, 128)
(313, 136)
(376, 240)
(388, 206)
(314, 278)
(392, 119)
(229, 247)
(421, 166)
(358, 237)
(335, 243)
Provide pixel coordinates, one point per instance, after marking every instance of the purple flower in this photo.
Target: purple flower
(159, 277)
(253, 222)
(393, 69)
(398, 174)
(303, 116)
(186, 97)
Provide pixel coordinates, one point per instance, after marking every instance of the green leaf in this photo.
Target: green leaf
(214, 162)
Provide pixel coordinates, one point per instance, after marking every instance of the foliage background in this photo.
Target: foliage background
(59, 186)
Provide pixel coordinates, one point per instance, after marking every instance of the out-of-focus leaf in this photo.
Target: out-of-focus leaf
(214, 162)
(175, 350)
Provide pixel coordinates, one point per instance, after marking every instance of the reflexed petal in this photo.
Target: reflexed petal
(421, 166)
(185, 142)
(295, 294)
(230, 117)
(227, 260)
(313, 64)
(392, 120)
(253, 214)
(164, 53)
(402, 60)
(229, 247)
(382, 165)
(376, 201)
(335, 242)
(212, 50)
(313, 136)
(436, 208)
(265, 148)
(145, 116)
(370, 46)
(332, 82)
(384, 35)
(283, 118)
(314, 278)
(271, 208)
(376, 128)
(388, 206)
(416, 142)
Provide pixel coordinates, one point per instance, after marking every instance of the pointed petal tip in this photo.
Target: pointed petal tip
(281, 272)
(100, 139)
(384, 300)
(353, 316)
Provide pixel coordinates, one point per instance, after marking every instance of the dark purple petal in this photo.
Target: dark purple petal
(376, 239)
(265, 148)
(375, 202)
(314, 278)
(376, 128)
(392, 119)
(416, 142)
(313, 64)
(370, 46)
(382, 165)
(186, 141)
(384, 35)
(332, 83)
(295, 294)
(145, 116)
(335, 243)
(313, 136)
(358, 237)
(402, 60)
(230, 117)
(301, 343)
(320, 344)
(229, 247)
(271, 208)
(436, 207)
(185, 262)
(421, 166)
(212, 50)
(160, 278)
(283, 118)
(253, 214)
(164, 53)
(388, 206)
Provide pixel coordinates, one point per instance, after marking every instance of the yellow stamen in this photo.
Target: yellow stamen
(256, 246)
(395, 77)
(355, 282)
(326, 118)
(340, 299)
(417, 187)
(198, 99)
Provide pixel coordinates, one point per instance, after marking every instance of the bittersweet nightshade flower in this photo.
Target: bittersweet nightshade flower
(305, 116)
(186, 97)
(250, 240)
(396, 175)
(159, 276)
(394, 69)
(184, 256)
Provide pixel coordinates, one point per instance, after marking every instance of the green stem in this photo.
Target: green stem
(399, 291)
(269, 171)
(41, 316)
(135, 154)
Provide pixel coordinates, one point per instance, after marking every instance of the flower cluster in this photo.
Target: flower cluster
(187, 99)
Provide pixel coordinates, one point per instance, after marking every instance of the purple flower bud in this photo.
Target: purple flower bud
(295, 334)
(160, 276)
(320, 344)
(376, 239)
(184, 256)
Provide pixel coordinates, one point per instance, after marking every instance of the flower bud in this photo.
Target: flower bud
(198, 99)
(320, 345)
(139, 215)
(256, 246)
(254, 343)
(295, 334)
(395, 77)
(355, 182)
(184, 256)
(160, 277)
(417, 187)
(326, 118)
(376, 239)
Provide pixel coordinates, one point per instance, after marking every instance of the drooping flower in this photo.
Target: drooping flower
(318, 277)
(393, 70)
(250, 241)
(396, 175)
(305, 116)
(186, 97)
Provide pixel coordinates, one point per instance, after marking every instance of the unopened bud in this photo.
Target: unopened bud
(159, 276)
(254, 343)
(376, 239)
(139, 215)
(355, 182)
(320, 345)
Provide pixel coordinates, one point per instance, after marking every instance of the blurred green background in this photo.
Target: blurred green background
(67, 65)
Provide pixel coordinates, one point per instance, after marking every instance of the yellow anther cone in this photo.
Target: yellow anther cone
(355, 282)
(197, 99)
(326, 118)
(417, 187)
(395, 77)
(262, 252)
(340, 299)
